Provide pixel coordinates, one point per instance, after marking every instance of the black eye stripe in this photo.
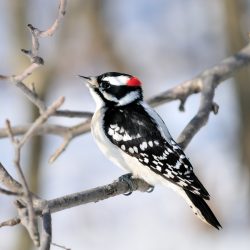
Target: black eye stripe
(118, 91)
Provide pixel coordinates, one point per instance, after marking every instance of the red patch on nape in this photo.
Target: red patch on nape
(134, 82)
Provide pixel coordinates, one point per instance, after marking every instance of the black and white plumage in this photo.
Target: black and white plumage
(134, 137)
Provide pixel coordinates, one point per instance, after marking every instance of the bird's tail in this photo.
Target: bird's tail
(200, 208)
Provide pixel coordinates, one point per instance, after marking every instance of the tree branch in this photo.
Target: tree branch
(212, 76)
(96, 194)
(29, 220)
(8, 181)
(220, 72)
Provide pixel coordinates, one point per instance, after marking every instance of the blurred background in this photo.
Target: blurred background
(164, 43)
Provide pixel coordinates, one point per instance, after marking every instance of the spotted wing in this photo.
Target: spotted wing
(134, 131)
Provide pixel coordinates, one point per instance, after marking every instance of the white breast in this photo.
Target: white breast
(111, 151)
(117, 156)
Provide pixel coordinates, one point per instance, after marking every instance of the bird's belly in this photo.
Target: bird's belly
(117, 156)
(112, 152)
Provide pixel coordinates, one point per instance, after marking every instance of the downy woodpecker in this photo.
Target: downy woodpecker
(133, 136)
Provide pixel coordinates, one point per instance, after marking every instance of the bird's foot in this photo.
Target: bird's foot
(127, 178)
(150, 189)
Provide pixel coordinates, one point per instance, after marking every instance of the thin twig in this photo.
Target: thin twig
(44, 129)
(8, 181)
(36, 61)
(8, 192)
(75, 114)
(26, 211)
(31, 221)
(61, 13)
(219, 72)
(61, 149)
(12, 222)
(41, 119)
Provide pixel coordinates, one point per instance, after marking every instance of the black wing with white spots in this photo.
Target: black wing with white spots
(133, 130)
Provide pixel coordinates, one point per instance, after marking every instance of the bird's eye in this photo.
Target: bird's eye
(104, 85)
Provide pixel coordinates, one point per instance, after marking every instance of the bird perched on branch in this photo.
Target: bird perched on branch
(133, 136)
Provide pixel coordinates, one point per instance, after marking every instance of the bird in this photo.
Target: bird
(134, 137)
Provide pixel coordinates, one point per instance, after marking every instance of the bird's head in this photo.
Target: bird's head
(115, 89)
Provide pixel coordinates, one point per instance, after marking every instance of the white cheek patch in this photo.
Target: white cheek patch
(116, 80)
(128, 98)
(109, 97)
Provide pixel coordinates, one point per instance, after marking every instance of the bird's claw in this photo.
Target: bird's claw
(151, 189)
(127, 178)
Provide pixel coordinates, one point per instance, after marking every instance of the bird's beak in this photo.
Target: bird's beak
(91, 81)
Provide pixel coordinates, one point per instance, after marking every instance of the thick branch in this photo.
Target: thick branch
(96, 194)
(219, 73)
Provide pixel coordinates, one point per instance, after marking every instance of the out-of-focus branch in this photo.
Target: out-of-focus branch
(206, 82)
(52, 129)
(67, 133)
(7, 180)
(219, 73)
(10, 223)
(39, 103)
(32, 54)
(37, 61)
(30, 221)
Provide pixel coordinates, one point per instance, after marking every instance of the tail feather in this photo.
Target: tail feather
(201, 209)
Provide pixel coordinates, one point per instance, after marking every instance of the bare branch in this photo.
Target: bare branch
(219, 73)
(61, 13)
(11, 222)
(26, 211)
(181, 92)
(32, 96)
(27, 72)
(70, 135)
(30, 221)
(28, 218)
(7, 180)
(210, 79)
(8, 192)
(41, 119)
(201, 118)
(36, 61)
(61, 149)
(205, 83)
(96, 194)
(70, 113)
(44, 129)
(92, 195)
